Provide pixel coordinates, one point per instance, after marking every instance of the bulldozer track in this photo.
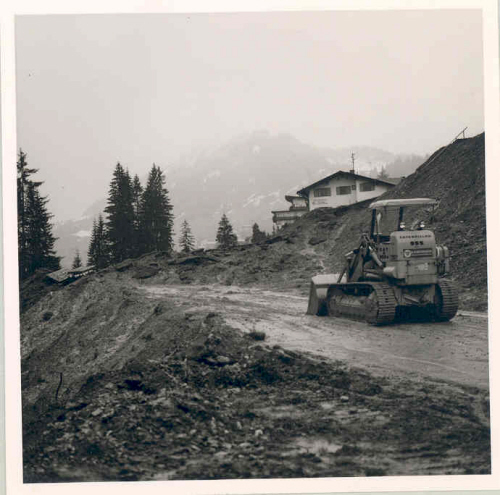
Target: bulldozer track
(449, 300)
(378, 307)
(386, 304)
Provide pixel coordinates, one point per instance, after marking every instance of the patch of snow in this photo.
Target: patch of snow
(254, 200)
(83, 218)
(249, 200)
(82, 233)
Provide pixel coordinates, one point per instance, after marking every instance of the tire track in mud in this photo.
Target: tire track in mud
(455, 351)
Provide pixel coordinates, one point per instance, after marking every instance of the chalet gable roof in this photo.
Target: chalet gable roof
(342, 173)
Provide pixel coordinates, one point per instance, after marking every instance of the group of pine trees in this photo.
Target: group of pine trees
(226, 238)
(139, 220)
(34, 232)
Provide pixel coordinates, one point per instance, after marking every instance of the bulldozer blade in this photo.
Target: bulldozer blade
(318, 304)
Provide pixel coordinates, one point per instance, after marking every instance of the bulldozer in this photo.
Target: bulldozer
(395, 274)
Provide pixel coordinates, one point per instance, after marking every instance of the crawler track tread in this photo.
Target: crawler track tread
(377, 306)
(448, 306)
(386, 304)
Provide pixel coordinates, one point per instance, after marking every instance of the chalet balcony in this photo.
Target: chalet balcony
(286, 216)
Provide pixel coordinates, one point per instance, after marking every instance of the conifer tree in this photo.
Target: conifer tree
(136, 194)
(156, 217)
(120, 210)
(383, 175)
(35, 239)
(98, 253)
(225, 238)
(137, 191)
(186, 240)
(257, 234)
(77, 261)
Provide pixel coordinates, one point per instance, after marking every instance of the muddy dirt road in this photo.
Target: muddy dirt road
(454, 351)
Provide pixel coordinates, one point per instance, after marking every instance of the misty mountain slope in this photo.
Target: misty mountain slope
(247, 178)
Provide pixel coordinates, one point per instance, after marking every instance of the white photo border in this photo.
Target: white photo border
(13, 423)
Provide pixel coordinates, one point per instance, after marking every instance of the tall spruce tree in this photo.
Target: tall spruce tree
(226, 238)
(98, 253)
(257, 234)
(186, 240)
(156, 217)
(137, 191)
(120, 210)
(77, 261)
(35, 238)
(383, 175)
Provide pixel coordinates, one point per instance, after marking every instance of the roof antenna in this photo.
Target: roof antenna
(352, 158)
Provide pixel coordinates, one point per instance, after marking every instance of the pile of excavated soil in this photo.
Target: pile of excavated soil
(118, 387)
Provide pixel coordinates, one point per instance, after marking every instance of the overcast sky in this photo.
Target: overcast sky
(94, 89)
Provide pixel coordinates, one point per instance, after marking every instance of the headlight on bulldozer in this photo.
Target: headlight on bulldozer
(407, 253)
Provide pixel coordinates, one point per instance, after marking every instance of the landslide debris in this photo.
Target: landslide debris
(119, 387)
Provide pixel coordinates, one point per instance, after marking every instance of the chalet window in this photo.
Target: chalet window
(353, 187)
(322, 191)
(343, 190)
(367, 186)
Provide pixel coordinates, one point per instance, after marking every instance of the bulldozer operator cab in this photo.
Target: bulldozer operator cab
(388, 216)
(409, 255)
